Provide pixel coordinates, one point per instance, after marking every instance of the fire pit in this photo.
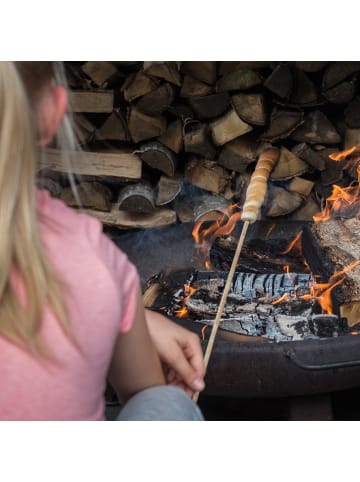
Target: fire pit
(254, 366)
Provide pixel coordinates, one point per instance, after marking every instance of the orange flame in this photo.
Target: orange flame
(295, 243)
(343, 154)
(183, 311)
(340, 198)
(203, 329)
(271, 229)
(283, 298)
(224, 226)
(321, 292)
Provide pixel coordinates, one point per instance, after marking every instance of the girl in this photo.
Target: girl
(71, 312)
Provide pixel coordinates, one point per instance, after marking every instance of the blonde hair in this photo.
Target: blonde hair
(28, 283)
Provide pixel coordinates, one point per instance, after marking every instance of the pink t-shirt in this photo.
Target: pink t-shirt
(101, 300)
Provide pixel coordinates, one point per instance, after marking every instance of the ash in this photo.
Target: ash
(253, 307)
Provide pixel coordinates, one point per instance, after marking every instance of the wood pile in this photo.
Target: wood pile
(168, 142)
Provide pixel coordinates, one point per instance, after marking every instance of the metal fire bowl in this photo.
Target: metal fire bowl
(250, 369)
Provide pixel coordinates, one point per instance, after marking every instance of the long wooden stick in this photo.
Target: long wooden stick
(255, 196)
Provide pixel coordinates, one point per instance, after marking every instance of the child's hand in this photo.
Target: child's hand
(179, 350)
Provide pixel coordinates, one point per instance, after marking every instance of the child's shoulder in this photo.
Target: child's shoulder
(74, 221)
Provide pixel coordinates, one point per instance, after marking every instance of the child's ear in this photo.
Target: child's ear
(52, 109)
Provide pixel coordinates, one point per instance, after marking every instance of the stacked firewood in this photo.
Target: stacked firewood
(167, 142)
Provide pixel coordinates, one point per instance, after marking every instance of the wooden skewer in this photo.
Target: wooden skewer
(255, 196)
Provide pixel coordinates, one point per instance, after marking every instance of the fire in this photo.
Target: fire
(343, 154)
(341, 198)
(224, 226)
(183, 311)
(294, 244)
(321, 292)
(203, 329)
(285, 297)
(271, 229)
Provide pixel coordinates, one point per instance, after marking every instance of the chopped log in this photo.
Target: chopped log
(304, 91)
(138, 84)
(351, 311)
(93, 195)
(151, 293)
(207, 175)
(192, 87)
(157, 101)
(99, 72)
(311, 66)
(83, 128)
(115, 164)
(137, 198)
(250, 108)
(351, 113)
(317, 129)
(75, 77)
(198, 141)
(200, 70)
(179, 109)
(306, 211)
(238, 154)
(199, 206)
(281, 202)
(167, 71)
(210, 106)
(46, 182)
(94, 101)
(227, 67)
(329, 247)
(288, 166)
(333, 172)
(282, 123)
(310, 156)
(158, 157)
(168, 188)
(341, 93)
(228, 127)
(143, 127)
(126, 220)
(113, 129)
(209, 208)
(183, 205)
(351, 139)
(301, 186)
(242, 79)
(280, 81)
(173, 136)
(337, 72)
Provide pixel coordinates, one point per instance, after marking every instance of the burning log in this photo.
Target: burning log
(329, 247)
(251, 308)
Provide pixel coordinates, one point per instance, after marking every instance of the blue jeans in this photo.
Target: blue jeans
(163, 403)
